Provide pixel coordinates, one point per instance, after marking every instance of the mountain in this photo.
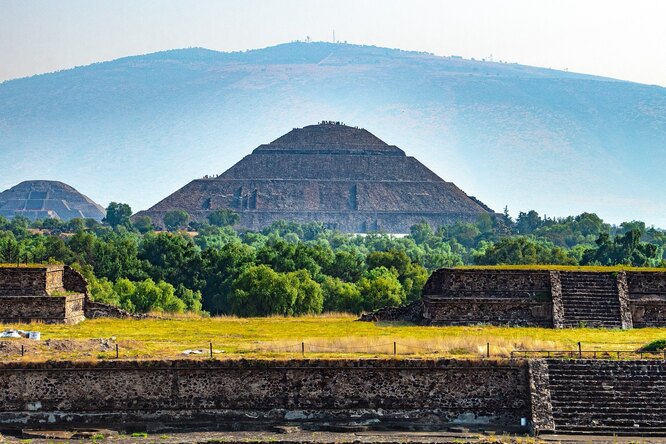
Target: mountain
(343, 176)
(135, 129)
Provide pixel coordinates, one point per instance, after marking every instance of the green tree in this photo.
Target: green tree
(380, 287)
(171, 257)
(223, 218)
(421, 232)
(143, 224)
(346, 265)
(125, 290)
(523, 250)
(176, 219)
(626, 249)
(341, 296)
(260, 291)
(118, 214)
(309, 295)
(150, 296)
(221, 267)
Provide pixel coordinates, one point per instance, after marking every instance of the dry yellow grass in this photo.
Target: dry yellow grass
(329, 336)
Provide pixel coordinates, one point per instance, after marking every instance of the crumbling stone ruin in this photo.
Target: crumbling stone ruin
(41, 199)
(340, 175)
(44, 293)
(540, 298)
(50, 294)
(539, 395)
(603, 397)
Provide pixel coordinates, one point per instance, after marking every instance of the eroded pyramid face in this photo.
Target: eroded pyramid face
(340, 175)
(41, 199)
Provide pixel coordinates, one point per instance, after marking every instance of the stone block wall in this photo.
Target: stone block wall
(426, 394)
(66, 309)
(74, 281)
(500, 297)
(647, 298)
(45, 293)
(31, 280)
(533, 297)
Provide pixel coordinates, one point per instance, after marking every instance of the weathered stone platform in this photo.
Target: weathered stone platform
(541, 396)
(545, 298)
(43, 293)
(385, 394)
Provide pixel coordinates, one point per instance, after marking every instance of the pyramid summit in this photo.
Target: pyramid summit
(41, 199)
(340, 175)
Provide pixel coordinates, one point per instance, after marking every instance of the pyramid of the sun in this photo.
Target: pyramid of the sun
(342, 176)
(40, 199)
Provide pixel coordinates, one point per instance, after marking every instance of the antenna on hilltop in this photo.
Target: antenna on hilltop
(334, 36)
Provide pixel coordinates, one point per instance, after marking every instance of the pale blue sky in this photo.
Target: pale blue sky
(621, 39)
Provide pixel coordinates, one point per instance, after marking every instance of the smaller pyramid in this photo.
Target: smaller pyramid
(41, 199)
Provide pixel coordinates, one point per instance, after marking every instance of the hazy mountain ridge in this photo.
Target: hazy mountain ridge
(137, 128)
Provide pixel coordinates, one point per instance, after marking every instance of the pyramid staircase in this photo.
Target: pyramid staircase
(608, 397)
(590, 299)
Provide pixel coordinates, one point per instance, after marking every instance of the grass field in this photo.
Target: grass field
(326, 336)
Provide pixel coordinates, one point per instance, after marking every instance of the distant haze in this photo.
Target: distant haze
(619, 39)
(136, 129)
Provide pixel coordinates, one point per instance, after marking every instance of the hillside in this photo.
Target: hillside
(135, 129)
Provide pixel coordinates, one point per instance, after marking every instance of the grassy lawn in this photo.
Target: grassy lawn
(327, 336)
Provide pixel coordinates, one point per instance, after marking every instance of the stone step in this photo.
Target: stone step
(589, 288)
(629, 423)
(567, 376)
(610, 430)
(638, 376)
(591, 308)
(589, 301)
(574, 323)
(571, 317)
(607, 405)
(631, 372)
(592, 382)
(597, 313)
(593, 288)
(609, 399)
(647, 386)
(588, 284)
(586, 298)
(601, 309)
(628, 413)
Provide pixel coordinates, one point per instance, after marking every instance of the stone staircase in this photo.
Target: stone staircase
(590, 299)
(608, 397)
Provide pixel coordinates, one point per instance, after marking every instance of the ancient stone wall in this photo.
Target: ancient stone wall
(500, 297)
(556, 297)
(535, 297)
(48, 309)
(490, 283)
(540, 403)
(74, 281)
(647, 298)
(385, 393)
(31, 280)
(45, 293)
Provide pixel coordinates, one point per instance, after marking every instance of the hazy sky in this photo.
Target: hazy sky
(621, 39)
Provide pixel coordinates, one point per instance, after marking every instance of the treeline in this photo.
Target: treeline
(290, 268)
